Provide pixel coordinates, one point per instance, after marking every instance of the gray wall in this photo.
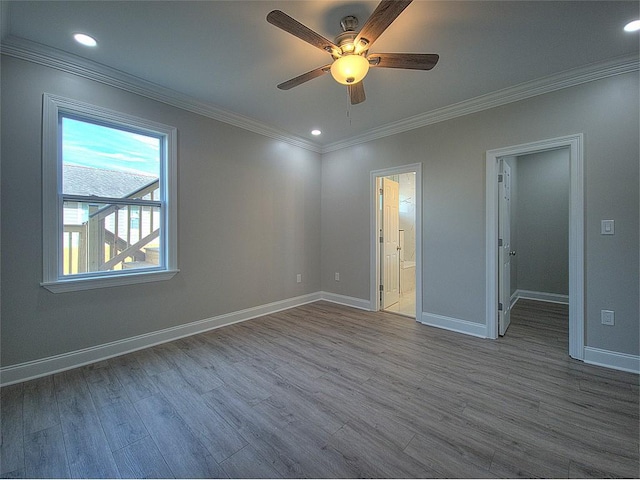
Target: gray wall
(251, 211)
(249, 221)
(453, 158)
(542, 221)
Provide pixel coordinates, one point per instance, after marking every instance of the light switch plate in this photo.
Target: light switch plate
(607, 227)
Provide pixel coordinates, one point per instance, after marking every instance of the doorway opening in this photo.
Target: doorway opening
(396, 238)
(533, 230)
(500, 252)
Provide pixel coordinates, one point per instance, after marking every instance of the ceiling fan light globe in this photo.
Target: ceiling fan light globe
(632, 26)
(349, 69)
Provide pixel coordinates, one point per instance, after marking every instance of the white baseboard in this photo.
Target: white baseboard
(454, 324)
(354, 302)
(66, 361)
(57, 363)
(540, 296)
(609, 359)
(514, 298)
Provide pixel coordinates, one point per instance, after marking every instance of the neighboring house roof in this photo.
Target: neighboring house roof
(79, 180)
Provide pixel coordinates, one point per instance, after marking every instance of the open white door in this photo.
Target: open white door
(390, 271)
(504, 249)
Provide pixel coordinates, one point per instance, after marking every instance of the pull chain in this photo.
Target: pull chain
(349, 106)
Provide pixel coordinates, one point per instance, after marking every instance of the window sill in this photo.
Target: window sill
(77, 284)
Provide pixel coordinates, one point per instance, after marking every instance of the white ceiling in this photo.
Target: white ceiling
(225, 54)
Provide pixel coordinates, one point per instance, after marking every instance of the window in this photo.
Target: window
(109, 197)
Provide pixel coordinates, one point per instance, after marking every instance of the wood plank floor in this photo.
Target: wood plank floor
(325, 391)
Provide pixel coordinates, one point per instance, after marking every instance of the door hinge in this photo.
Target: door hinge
(381, 192)
(499, 242)
(381, 240)
(500, 178)
(500, 307)
(382, 288)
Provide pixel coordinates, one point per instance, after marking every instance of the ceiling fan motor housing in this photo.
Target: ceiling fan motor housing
(345, 40)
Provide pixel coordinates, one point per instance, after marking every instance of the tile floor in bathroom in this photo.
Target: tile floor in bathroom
(406, 305)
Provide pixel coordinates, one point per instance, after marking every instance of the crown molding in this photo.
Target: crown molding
(54, 58)
(50, 57)
(566, 79)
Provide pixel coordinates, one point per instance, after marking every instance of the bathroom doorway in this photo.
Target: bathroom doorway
(396, 236)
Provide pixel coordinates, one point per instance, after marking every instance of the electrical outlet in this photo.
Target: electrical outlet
(607, 317)
(299, 278)
(337, 277)
(607, 227)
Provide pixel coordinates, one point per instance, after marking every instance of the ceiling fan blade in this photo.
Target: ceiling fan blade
(411, 61)
(383, 16)
(356, 93)
(305, 77)
(294, 27)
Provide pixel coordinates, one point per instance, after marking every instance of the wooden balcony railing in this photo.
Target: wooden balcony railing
(114, 235)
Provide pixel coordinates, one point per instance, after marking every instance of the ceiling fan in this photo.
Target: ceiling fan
(350, 51)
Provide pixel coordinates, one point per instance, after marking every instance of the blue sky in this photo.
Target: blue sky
(90, 145)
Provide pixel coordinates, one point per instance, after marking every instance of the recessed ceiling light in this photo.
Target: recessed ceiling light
(85, 40)
(632, 26)
(316, 132)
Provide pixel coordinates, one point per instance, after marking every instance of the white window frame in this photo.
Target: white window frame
(52, 199)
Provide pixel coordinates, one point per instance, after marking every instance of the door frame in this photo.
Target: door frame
(374, 265)
(575, 143)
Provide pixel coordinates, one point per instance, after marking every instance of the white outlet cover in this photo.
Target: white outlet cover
(607, 317)
(607, 227)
